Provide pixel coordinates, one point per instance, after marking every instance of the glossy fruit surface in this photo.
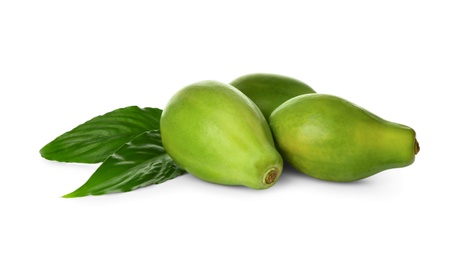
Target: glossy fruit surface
(332, 139)
(219, 135)
(269, 91)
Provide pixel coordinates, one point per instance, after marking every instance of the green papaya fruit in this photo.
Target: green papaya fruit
(269, 91)
(330, 138)
(219, 135)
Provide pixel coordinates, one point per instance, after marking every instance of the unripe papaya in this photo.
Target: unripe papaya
(269, 91)
(219, 135)
(332, 139)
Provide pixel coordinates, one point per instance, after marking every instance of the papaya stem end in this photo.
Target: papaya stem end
(270, 177)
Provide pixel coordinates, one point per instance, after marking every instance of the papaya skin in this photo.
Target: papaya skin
(332, 139)
(268, 91)
(219, 135)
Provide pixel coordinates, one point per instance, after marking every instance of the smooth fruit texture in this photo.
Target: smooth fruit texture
(269, 91)
(332, 139)
(219, 135)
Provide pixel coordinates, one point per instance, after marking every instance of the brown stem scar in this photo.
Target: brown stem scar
(271, 176)
(416, 147)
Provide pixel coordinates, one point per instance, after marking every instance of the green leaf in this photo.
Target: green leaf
(140, 162)
(98, 138)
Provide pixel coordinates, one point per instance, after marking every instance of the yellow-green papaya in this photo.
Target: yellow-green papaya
(269, 91)
(219, 135)
(332, 139)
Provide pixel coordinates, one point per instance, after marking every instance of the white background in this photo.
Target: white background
(64, 62)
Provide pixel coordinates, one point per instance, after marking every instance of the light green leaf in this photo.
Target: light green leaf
(98, 138)
(140, 162)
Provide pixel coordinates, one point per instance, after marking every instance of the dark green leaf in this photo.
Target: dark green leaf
(98, 138)
(140, 162)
